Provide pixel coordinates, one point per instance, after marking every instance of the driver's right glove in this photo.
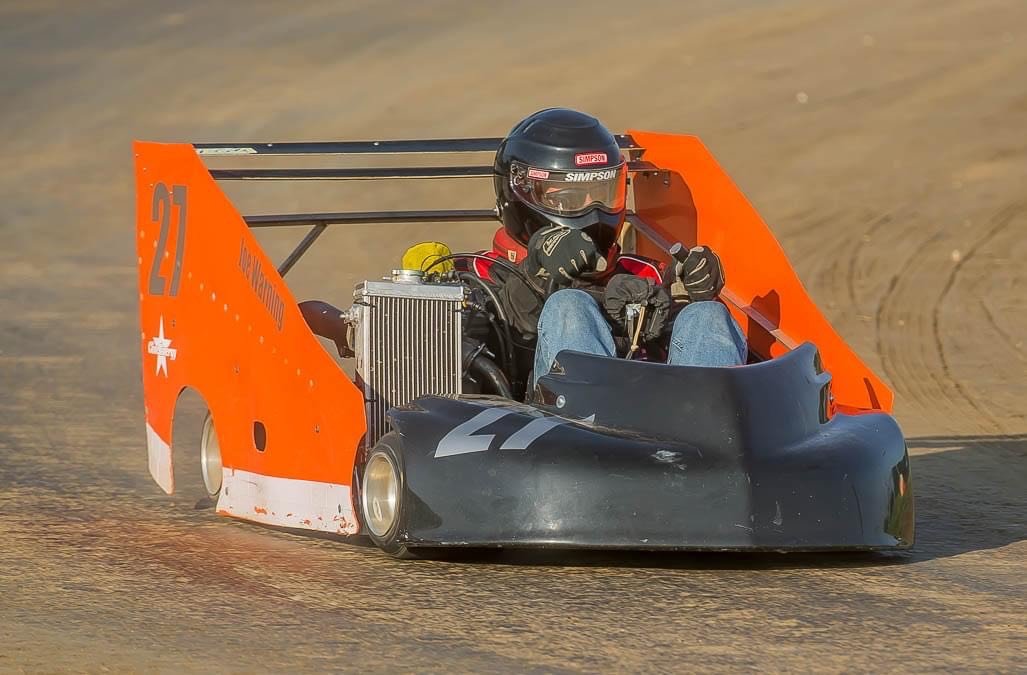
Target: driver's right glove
(558, 255)
(625, 290)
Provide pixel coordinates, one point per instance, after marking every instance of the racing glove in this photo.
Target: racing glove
(625, 290)
(558, 255)
(701, 274)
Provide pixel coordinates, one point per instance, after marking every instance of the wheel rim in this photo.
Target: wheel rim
(210, 458)
(380, 494)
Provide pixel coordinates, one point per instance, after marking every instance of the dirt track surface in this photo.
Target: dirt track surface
(884, 142)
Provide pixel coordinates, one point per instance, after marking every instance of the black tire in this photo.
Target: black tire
(389, 448)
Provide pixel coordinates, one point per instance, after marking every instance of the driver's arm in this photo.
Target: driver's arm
(522, 304)
(557, 257)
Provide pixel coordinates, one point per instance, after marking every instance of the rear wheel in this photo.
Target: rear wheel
(210, 457)
(382, 496)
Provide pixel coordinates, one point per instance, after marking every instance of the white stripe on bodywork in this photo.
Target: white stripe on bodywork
(287, 502)
(530, 433)
(462, 439)
(159, 456)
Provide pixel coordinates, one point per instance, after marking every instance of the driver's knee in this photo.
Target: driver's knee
(570, 311)
(571, 320)
(705, 334)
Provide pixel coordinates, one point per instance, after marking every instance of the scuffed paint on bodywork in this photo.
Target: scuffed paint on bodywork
(287, 502)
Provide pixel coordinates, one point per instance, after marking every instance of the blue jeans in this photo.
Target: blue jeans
(704, 333)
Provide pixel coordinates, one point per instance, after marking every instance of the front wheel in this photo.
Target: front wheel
(382, 498)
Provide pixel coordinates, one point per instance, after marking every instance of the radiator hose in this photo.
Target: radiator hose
(486, 369)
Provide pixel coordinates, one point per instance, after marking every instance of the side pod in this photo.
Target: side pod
(218, 318)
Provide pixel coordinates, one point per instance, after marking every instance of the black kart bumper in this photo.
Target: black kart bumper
(483, 472)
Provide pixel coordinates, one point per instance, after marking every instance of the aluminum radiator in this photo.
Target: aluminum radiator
(407, 344)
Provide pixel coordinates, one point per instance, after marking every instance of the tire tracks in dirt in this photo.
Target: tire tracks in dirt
(912, 302)
(1001, 220)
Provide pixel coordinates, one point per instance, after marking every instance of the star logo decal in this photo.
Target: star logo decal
(160, 346)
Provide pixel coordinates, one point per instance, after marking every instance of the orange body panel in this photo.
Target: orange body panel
(697, 203)
(235, 334)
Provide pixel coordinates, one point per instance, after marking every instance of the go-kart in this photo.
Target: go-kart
(438, 440)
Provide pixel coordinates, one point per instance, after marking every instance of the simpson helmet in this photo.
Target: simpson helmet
(562, 167)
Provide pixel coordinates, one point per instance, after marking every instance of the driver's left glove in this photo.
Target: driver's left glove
(702, 274)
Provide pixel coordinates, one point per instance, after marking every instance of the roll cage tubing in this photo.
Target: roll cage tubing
(664, 183)
(318, 222)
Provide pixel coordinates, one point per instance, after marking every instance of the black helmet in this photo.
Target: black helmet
(563, 167)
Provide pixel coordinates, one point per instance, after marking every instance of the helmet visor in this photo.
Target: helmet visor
(569, 193)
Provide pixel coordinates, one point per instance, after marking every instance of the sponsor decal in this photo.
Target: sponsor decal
(538, 173)
(250, 267)
(226, 151)
(160, 347)
(589, 158)
(589, 176)
(549, 245)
